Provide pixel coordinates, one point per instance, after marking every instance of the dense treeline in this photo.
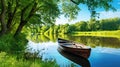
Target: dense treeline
(92, 25)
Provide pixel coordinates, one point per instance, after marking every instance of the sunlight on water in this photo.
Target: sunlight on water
(106, 55)
(48, 52)
(107, 50)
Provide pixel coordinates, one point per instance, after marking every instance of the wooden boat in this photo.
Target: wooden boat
(84, 62)
(74, 48)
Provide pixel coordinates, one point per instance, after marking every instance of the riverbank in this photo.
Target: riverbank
(98, 33)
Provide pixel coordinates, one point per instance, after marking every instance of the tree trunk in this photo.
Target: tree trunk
(23, 20)
(11, 14)
(3, 24)
(2, 18)
(19, 29)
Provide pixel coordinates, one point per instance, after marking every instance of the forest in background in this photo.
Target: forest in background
(82, 26)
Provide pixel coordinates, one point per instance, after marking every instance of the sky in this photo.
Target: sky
(84, 14)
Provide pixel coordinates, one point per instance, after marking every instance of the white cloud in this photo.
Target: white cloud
(109, 14)
(82, 16)
(85, 16)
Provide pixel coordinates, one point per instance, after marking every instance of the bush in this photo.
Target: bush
(10, 44)
(5, 42)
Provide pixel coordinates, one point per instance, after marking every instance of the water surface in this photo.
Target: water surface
(105, 52)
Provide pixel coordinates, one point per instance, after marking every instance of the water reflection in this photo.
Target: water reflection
(98, 41)
(90, 41)
(100, 56)
(105, 51)
(42, 38)
(76, 59)
(48, 52)
(105, 57)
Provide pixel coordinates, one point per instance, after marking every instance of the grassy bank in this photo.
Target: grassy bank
(98, 33)
(7, 60)
(12, 53)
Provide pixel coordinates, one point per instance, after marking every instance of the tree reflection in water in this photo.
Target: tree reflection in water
(84, 62)
(88, 40)
(103, 48)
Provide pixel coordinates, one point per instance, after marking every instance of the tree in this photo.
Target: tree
(2, 17)
(25, 11)
(93, 4)
(71, 28)
(15, 14)
(110, 24)
(81, 26)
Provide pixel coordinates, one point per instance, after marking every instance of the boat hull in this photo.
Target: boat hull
(84, 62)
(84, 52)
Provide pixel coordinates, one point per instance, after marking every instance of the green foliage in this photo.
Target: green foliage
(94, 41)
(82, 26)
(93, 4)
(44, 28)
(11, 61)
(5, 42)
(19, 42)
(92, 25)
(10, 44)
(27, 12)
(70, 9)
(71, 28)
(110, 24)
(20, 13)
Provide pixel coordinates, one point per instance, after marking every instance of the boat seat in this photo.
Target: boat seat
(79, 47)
(67, 43)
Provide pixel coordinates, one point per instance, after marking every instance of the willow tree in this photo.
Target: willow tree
(15, 14)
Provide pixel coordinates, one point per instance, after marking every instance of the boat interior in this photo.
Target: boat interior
(74, 45)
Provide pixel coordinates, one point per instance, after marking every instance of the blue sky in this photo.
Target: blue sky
(84, 14)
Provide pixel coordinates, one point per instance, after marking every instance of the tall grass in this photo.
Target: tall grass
(11, 61)
(12, 53)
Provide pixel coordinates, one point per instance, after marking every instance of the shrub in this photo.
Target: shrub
(8, 43)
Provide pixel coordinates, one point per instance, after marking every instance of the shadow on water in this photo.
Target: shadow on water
(103, 49)
(84, 62)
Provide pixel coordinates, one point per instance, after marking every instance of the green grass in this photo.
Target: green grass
(98, 33)
(12, 53)
(11, 61)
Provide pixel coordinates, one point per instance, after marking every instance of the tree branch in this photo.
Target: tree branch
(33, 10)
(74, 2)
(23, 11)
(11, 14)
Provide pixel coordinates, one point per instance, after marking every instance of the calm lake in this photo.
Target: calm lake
(105, 51)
